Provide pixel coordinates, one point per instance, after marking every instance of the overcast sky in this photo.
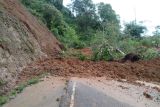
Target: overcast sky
(146, 11)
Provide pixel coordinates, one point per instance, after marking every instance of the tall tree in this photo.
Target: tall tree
(157, 31)
(85, 16)
(109, 22)
(134, 30)
(57, 3)
(107, 14)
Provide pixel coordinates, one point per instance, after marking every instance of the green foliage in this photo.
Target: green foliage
(85, 24)
(105, 52)
(145, 47)
(57, 3)
(79, 45)
(3, 100)
(81, 57)
(53, 18)
(153, 41)
(104, 55)
(134, 30)
(32, 81)
(20, 88)
(129, 45)
(2, 82)
(86, 20)
(107, 14)
(150, 53)
(157, 31)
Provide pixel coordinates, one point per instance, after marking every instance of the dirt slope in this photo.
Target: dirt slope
(46, 40)
(22, 40)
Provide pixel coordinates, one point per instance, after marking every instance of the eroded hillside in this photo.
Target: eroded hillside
(22, 40)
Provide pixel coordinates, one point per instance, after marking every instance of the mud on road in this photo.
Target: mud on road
(140, 70)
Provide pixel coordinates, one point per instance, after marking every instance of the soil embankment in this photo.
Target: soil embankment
(22, 40)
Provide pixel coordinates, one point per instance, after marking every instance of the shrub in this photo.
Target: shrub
(3, 100)
(102, 52)
(20, 88)
(32, 81)
(78, 45)
(82, 57)
(129, 45)
(2, 82)
(150, 53)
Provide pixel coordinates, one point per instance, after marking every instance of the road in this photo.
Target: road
(84, 92)
(43, 94)
(81, 95)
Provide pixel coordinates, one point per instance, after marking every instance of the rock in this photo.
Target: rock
(131, 57)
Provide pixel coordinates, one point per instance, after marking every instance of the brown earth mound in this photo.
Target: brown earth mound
(141, 70)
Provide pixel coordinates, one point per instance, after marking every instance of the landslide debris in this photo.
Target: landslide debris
(22, 40)
(140, 70)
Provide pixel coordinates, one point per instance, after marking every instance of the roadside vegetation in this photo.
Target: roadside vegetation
(85, 24)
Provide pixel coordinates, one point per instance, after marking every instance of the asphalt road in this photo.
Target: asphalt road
(43, 94)
(82, 95)
(84, 92)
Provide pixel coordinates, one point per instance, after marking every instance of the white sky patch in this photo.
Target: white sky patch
(143, 10)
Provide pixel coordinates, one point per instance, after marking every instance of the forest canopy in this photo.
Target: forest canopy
(85, 24)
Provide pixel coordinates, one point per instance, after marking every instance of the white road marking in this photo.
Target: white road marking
(73, 94)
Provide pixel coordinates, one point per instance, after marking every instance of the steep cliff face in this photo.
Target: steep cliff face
(22, 40)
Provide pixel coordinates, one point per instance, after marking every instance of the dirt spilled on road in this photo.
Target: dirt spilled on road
(141, 70)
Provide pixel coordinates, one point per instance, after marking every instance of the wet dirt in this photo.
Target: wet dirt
(131, 71)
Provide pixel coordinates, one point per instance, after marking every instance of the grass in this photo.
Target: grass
(81, 57)
(33, 81)
(2, 82)
(3, 100)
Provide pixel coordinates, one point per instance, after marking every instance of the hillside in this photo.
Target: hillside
(22, 40)
(71, 49)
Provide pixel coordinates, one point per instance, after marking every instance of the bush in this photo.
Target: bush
(2, 82)
(3, 100)
(150, 54)
(78, 45)
(82, 57)
(32, 81)
(20, 88)
(153, 41)
(129, 45)
(102, 52)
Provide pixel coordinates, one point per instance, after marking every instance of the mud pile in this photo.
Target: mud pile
(141, 70)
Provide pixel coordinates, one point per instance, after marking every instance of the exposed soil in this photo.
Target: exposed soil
(86, 51)
(23, 39)
(49, 44)
(141, 70)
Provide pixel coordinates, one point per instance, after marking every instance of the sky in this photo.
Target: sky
(129, 10)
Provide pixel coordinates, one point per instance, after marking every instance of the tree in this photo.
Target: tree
(107, 14)
(157, 31)
(57, 3)
(109, 23)
(85, 17)
(134, 30)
